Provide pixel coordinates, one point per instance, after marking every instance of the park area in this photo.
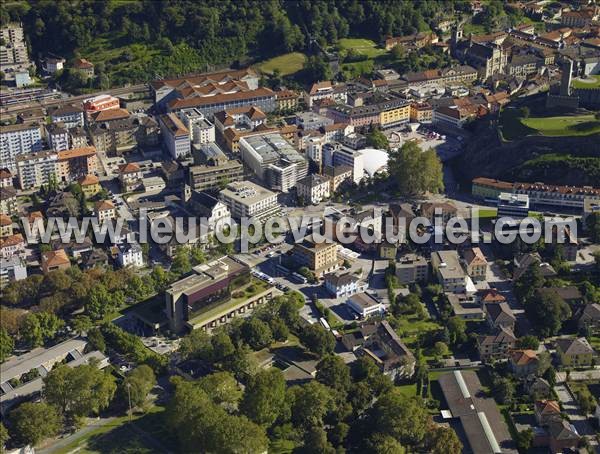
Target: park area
(286, 64)
(514, 125)
(588, 82)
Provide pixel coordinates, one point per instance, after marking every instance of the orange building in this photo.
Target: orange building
(101, 102)
(76, 163)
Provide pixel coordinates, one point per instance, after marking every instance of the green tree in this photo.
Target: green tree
(309, 404)
(7, 344)
(457, 330)
(503, 390)
(264, 397)
(315, 440)
(82, 324)
(377, 139)
(528, 342)
(256, 333)
(398, 52)
(197, 344)
(139, 382)
(317, 339)
(524, 440)
(547, 311)
(442, 440)
(333, 372)
(592, 224)
(96, 339)
(4, 437)
(416, 171)
(40, 327)
(181, 262)
(317, 69)
(379, 443)
(222, 346)
(223, 389)
(440, 349)
(34, 422)
(79, 391)
(279, 329)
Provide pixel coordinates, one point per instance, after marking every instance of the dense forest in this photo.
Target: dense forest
(179, 36)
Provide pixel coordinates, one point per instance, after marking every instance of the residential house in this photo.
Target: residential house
(588, 318)
(130, 176)
(55, 260)
(388, 250)
(130, 254)
(71, 116)
(343, 285)
(574, 352)
(562, 436)
(547, 411)
(325, 90)
(6, 226)
(523, 362)
(313, 188)
(490, 295)
(465, 306)
(6, 178)
(432, 210)
(524, 261)
(85, 66)
(476, 264)
(35, 221)
(538, 387)
(499, 315)
(90, 185)
(105, 210)
(13, 245)
(497, 345)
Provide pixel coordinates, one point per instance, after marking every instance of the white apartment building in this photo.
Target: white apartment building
(36, 169)
(71, 116)
(342, 156)
(450, 272)
(247, 199)
(313, 189)
(176, 136)
(314, 149)
(12, 269)
(58, 137)
(130, 254)
(201, 130)
(19, 139)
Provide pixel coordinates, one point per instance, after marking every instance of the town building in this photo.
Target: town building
(240, 118)
(52, 64)
(130, 254)
(6, 178)
(8, 201)
(411, 268)
(57, 136)
(588, 318)
(114, 131)
(273, 160)
(574, 352)
(75, 163)
(36, 169)
(130, 176)
(312, 121)
(364, 305)
(496, 346)
(513, 205)
(523, 363)
(12, 245)
(217, 171)
(6, 225)
(71, 116)
(90, 185)
(421, 112)
(19, 139)
(475, 263)
(216, 213)
(99, 103)
(84, 66)
(320, 258)
(176, 136)
(14, 58)
(343, 285)
(249, 200)
(325, 90)
(337, 175)
(105, 210)
(449, 271)
(12, 269)
(313, 189)
(286, 100)
(499, 315)
(55, 260)
(201, 130)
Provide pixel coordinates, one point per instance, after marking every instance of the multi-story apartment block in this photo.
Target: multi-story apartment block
(513, 205)
(240, 118)
(6, 225)
(337, 175)
(19, 139)
(247, 199)
(58, 136)
(36, 169)
(78, 137)
(320, 258)
(412, 268)
(13, 245)
(287, 100)
(176, 136)
(201, 130)
(14, 57)
(273, 160)
(496, 346)
(215, 173)
(421, 112)
(449, 271)
(313, 188)
(71, 116)
(326, 90)
(113, 131)
(314, 149)
(8, 201)
(12, 269)
(76, 163)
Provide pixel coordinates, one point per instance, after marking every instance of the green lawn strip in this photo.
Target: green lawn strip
(587, 83)
(362, 46)
(580, 125)
(483, 213)
(286, 64)
(106, 428)
(408, 390)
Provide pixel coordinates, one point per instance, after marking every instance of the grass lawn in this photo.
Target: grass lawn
(594, 342)
(476, 29)
(513, 126)
(589, 82)
(286, 64)
(408, 390)
(484, 213)
(362, 46)
(117, 436)
(580, 125)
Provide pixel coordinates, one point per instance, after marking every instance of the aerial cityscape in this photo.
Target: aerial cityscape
(293, 226)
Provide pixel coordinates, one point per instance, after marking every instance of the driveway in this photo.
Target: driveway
(571, 408)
